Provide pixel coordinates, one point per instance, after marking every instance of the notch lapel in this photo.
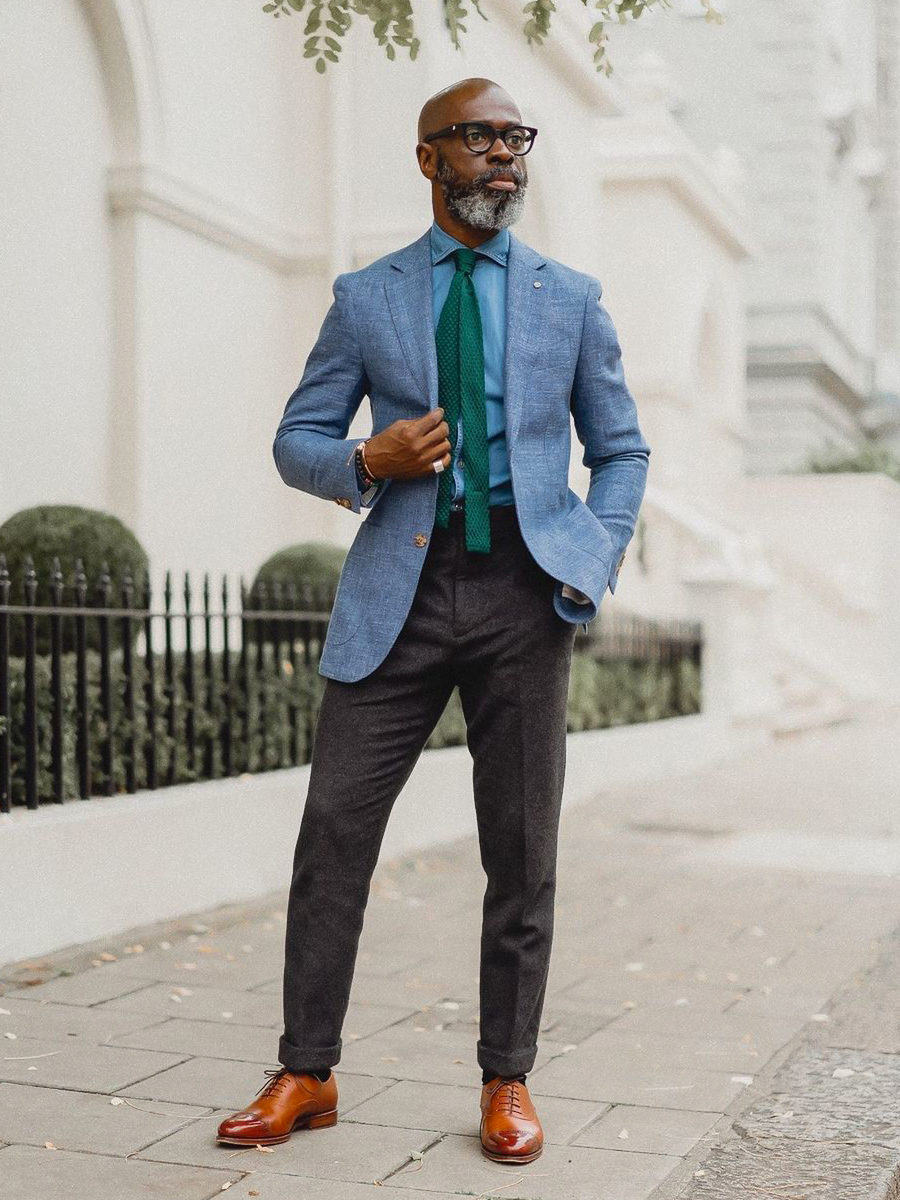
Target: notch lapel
(524, 319)
(408, 291)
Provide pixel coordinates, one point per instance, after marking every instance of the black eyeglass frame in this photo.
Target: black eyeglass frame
(498, 133)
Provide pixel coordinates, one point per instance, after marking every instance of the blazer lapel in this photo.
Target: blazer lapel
(408, 291)
(524, 315)
(409, 297)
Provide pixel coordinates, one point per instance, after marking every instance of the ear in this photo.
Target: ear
(427, 159)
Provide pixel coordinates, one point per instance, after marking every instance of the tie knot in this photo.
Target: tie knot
(465, 259)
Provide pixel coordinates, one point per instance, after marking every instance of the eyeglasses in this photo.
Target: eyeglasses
(479, 137)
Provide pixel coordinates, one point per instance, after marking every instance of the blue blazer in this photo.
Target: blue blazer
(562, 358)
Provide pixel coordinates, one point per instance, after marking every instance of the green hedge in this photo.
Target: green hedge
(266, 749)
(865, 460)
(601, 694)
(68, 532)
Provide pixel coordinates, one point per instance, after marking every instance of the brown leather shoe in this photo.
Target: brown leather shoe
(289, 1101)
(510, 1129)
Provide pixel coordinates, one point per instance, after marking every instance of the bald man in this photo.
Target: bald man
(474, 568)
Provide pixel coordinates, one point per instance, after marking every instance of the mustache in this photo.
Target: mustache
(450, 177)
(512, 173)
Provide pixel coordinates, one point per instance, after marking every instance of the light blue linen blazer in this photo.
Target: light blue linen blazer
(562, 363)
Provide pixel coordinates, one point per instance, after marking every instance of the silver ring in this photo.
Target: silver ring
(437, 466)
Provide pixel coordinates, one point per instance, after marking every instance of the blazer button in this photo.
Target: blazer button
(420, 539)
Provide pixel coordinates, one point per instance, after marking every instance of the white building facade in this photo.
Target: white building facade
(186, 190)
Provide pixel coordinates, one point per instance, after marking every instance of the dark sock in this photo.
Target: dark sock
(320, 1075)
(487, 1075)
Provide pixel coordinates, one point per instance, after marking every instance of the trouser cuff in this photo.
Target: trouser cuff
(519, 1062)
(308, 1058)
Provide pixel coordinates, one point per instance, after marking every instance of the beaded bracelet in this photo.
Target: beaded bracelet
(369, 479)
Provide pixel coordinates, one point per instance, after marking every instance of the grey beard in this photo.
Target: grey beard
(475, 206)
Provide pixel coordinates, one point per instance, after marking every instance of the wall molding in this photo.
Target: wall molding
(141, 188)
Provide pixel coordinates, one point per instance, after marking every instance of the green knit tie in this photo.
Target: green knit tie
(460, 360)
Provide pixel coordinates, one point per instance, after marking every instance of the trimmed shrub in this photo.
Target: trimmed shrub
(68, 532)
(313, 568)
(274, 702)
(866, 460)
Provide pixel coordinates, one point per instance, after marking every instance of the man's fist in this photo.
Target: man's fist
(407, 448)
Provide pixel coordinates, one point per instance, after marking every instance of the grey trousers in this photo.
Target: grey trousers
(486, 623)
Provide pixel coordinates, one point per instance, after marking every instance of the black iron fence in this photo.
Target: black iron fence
(101, 694)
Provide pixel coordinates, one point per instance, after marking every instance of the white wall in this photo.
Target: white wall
(55, 272)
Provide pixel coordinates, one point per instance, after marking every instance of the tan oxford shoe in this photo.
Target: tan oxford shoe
(289, 1101)
(510, 1129)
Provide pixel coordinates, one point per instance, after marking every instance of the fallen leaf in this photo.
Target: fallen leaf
(22, 1057)
(107, 957)
(49, 1145)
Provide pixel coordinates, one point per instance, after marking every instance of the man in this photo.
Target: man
(473, 569)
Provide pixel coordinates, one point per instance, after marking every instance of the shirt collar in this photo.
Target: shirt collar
(443, 244)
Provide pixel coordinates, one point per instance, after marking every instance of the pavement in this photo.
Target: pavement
(721, 1017)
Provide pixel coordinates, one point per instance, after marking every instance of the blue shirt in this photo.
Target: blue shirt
(489, 278)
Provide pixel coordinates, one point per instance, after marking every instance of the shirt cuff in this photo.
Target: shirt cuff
(574, 594)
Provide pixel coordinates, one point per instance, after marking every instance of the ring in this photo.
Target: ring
(437, 466)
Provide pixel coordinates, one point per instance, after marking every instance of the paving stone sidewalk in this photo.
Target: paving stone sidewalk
(721, 1017)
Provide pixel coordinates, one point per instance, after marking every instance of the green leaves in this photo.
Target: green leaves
(392, 22)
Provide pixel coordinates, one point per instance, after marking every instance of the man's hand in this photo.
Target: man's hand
(407, 448)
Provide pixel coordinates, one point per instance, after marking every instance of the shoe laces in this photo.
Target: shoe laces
(274, 1082)
(508, 1095)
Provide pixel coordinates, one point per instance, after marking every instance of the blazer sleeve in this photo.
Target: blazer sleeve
(311, 449)
(606, 423)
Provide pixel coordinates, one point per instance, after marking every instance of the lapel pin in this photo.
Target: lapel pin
(537, 283)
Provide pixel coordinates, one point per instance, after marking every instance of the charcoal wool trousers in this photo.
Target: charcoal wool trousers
(485, 623)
